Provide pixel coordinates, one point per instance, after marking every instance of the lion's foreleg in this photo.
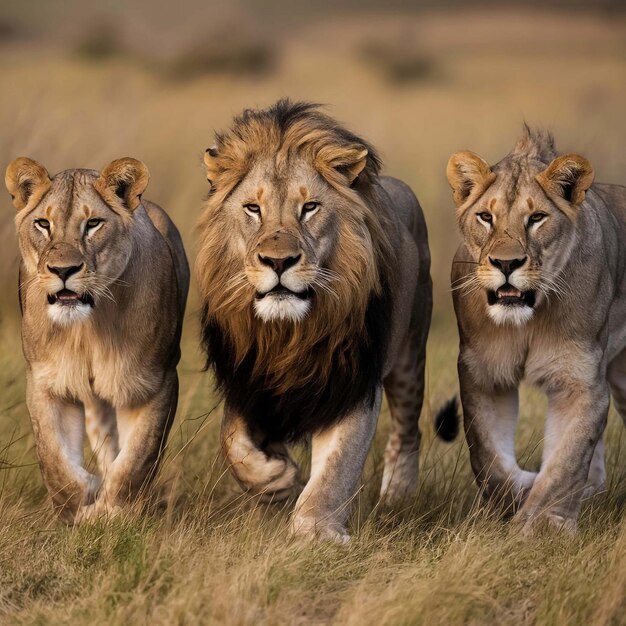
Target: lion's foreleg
(556, 424)
(59, 428)
(577, 422)
(265, 470)
(490, 419)
(142, 436)
(338, 458)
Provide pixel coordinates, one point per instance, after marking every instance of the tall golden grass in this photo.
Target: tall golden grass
(204, 553)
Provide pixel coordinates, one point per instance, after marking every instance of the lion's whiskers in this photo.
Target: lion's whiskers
(467, 284)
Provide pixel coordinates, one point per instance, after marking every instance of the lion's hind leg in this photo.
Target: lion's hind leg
(617, 381)
(101, 427)
(264, 470)
(596, 479)
(142, 434)
(404, 387)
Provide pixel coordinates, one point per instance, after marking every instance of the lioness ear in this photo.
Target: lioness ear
(468, 173)
(26, 180)
(568, 177)
(123, 179)
(350, 161)
(210, 162)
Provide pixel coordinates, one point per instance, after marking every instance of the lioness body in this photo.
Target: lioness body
(319, 293)
(106, 368)
(559, 244)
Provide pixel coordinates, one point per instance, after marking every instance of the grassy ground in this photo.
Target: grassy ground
(419, 87)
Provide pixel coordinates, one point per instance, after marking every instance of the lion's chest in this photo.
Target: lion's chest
(547, 359)
(82, 368)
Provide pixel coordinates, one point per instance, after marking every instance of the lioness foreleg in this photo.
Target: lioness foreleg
(577, 421)
(337, 462)
(59, 429)
(260, 469)
(490, 419)
(556, 424)
(142, 434)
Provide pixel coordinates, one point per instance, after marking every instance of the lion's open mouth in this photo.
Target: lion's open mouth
(281, 292)
(65, 297)
(507, 295)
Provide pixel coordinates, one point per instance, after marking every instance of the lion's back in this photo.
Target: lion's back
(164, 224)
(406, 209)
(614, 196)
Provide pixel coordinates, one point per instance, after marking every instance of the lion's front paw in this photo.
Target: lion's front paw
(533, 525)
(314, 529)
(272, 496)
(96, 510)
(592, 489)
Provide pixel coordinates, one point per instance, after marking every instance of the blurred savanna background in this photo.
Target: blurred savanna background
(84, 83)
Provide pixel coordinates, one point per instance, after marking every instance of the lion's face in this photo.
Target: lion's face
(518, 219)
(74, 233)
(285, 228)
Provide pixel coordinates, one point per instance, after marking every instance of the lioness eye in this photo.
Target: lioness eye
(252, 208)
(485, 217)
(307, 207)
(45, 224)
(536, 217)
(93, 222)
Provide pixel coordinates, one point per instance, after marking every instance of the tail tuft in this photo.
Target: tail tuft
(447, 420)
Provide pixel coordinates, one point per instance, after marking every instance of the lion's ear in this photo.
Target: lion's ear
(568, 177)
(210, 162)
(26, 180)
(348, 160)
(123, 180)
(468, 174)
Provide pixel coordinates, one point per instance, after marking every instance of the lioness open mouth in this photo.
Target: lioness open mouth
(508, 295)
(65, 297)
(281, 292)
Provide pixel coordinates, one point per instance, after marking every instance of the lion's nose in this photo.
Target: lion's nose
(507, 266)
(64, 272)
(280, 264)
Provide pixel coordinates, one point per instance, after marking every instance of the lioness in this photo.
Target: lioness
(103, 284)
(540, 296)
(314, 272)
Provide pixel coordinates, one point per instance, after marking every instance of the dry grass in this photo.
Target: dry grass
(205, 554)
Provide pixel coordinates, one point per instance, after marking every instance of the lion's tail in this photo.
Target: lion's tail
(448, 419)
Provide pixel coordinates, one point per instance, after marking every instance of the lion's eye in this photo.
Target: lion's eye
(485, 217)
(45, 224)
(255, 209)
(309, 207)
(537, 217)
(93, 222)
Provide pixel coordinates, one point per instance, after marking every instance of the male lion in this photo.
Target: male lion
(540, 295)
(103, 284)
(314, 273)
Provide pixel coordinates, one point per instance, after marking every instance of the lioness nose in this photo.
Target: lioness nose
(507, 266)
(280, 264)
(65, 272)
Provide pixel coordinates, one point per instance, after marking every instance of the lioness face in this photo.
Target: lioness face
(74, 237)
(284, 227)
(518, 219)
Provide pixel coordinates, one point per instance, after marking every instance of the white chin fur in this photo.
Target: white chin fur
(272, 308)
(67, 315)
(515, 315)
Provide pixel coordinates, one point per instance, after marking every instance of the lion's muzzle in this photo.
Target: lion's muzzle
(63, 270)
(281, 293)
